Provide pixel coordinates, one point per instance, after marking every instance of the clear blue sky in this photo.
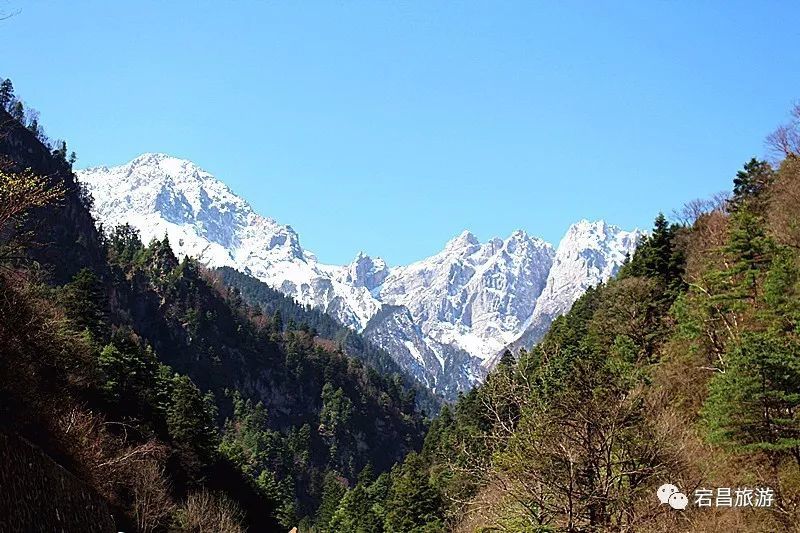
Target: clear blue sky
(392, 126)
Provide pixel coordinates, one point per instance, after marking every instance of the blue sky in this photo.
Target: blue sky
(392, 126)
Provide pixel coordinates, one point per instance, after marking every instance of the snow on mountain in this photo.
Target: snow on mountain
(444, 318)
(443, 368)
(163, 195)
(589, 254)
(473, 296)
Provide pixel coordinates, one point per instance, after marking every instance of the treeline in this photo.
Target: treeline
(153, 382)
(30, 118)
(684, 369)
(285, 311)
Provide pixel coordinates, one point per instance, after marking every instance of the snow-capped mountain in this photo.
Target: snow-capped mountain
(473, 296)
(162, 195)
(444, 318)
(589, 254)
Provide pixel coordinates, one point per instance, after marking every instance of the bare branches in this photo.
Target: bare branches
(7, 15)
(206, 511)
(694, 209)
(784, 142)
(21, 192)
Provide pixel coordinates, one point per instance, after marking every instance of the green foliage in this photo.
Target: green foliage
(124, 245)
(753, 399)
(281, 308)
(413, 504)
(85, 302)
(18, 111)
(750, 184)
(191, 418)
(6, 94)
(267, 456)
(755, 403)
(658, 256)
(355, 512)
(333, 490)
(127, 372)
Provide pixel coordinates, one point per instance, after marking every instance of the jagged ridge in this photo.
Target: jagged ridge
(449, 315)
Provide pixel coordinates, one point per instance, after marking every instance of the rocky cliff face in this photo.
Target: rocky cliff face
(589, 254)
(444, 318)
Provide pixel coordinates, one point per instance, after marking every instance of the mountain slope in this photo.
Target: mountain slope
(463, 305)
(162, 195)
(147, 378)
(271, 301)
(589, 254)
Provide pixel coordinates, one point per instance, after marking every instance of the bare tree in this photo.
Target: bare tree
(206, 511)
(19, 194)
(694, 209)
(784, 142)
(152, 506)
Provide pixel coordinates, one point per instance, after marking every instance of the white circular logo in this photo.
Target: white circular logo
(678, 501)
(665, 491)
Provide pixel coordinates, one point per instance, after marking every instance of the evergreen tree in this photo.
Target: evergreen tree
(356, 512)
(413, 504)
(164, 260)
(751, 182)
(18, 111)
(33, 126)
(277, 321)
(124, 244)
(507, 360)
(190, 418)
(755, 403)
(333, 489)
(6, 94)
(86, 303)
(128, 374)
(659, 257)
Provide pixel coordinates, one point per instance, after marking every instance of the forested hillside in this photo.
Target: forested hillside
(684, 369)
(285, 310)
(152, 382)
(190, 400)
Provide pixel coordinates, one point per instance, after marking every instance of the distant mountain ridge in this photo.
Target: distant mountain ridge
(444, 319)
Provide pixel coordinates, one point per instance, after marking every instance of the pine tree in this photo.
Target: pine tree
(190, 418)
(750, 183)
(755, 403)
(333, 490)
(18, 111)
(164, 259)
(413, 503)
(659, 257)
(507, 360)
(124, 244)
(277, 321)
(748, 252)
(85, 302)
(6, 94)
(360, 509)
(129, 374)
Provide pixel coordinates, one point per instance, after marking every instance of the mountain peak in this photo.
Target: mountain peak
(464, 239)
(152, 156)
(463, 304)
(365, 271)
(588, 225)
